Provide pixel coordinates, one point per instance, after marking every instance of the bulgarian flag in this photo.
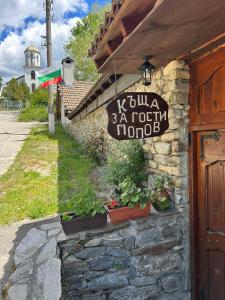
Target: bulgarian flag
(49, 76)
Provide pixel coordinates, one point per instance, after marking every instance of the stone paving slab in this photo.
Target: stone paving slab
(10, 237)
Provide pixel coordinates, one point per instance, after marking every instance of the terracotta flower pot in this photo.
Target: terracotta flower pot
(123, 214)
(78, 224)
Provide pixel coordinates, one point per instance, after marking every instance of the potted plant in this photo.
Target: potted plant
(160, 197)
(86, 212)
(134, 203)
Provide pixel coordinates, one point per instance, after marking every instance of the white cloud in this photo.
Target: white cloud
(13, 46)
(14, 12)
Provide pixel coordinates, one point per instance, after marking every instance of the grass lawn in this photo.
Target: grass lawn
(30, 114)
(47, 172)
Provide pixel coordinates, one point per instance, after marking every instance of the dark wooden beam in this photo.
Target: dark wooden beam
(114, 44)
(100, 61)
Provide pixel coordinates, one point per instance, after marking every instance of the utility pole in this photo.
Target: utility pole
(51, 116)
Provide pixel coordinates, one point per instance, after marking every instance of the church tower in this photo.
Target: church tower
(32, 64)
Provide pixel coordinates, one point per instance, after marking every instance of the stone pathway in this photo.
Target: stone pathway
(12, 136)
(31, 269)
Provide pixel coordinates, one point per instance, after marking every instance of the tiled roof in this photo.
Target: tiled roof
(73, 95)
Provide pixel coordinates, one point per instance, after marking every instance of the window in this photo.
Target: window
(32, 74)
(33, 87)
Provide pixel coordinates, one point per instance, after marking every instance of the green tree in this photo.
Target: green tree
(16, 91)
(82, 36)
(1, 80)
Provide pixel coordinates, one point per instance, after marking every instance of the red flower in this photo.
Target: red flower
(112, 204)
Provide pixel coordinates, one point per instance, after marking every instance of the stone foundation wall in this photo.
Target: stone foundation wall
(141, 259)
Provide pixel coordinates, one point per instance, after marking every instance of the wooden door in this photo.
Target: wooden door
(211, 214)
(207, 176)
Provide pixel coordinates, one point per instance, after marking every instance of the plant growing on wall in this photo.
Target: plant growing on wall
(160, 197)
(95, 149)
(129, 162)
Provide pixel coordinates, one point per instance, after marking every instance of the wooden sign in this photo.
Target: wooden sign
(137, 116)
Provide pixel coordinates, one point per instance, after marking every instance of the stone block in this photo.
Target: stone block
(101, 263)
(176, 171)
(117, 252)
(129, 243)
(94, 296)
(146, 236)
(147, 147)
(152, 265)
(156, 248)
(48, 251)
(93, 274)
(178, 97)
(23, 272)
(54, 231)
(170, 136)
(173, 65)
(134, 293)
(171, 284)
(75, 269)
(177, 85)
(163, 148)
(49, 279)
(179, 74)
(49, 226)
(77, 283)
(94, 243)
(108, 281)
(29, 245)
(91, 252)
(17, 292)
(143, 281)
(153, 164)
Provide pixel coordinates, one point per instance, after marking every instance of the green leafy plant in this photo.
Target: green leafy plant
(159, 196)
(131, 195)
(129, 161)
(87, 204)
(66, 217)
(95, 149)
(161, 182)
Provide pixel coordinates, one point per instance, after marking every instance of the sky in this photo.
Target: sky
(22, 22)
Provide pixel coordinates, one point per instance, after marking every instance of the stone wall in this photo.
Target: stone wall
(165, 154)
(141, 259)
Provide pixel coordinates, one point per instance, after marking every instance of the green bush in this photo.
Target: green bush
(128, 163)
(32, 113)
(38, 98)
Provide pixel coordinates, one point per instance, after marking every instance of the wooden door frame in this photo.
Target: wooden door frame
(193, 200)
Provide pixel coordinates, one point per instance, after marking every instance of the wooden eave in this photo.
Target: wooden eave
(170, 30)
(123, 23)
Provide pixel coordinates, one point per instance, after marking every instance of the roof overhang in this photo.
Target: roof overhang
(170, 30)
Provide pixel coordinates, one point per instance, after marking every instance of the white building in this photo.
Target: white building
(32, 65)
